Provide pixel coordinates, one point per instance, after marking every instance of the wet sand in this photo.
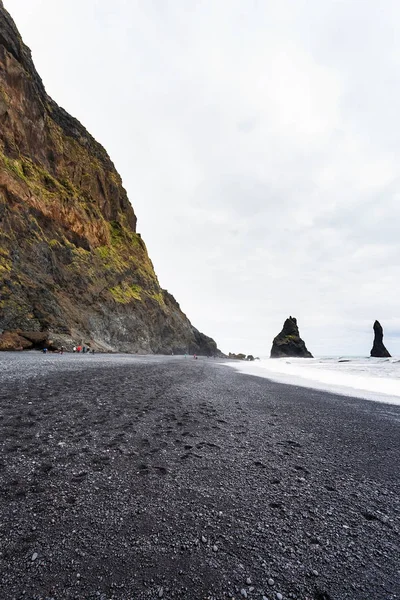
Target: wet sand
(163, 477)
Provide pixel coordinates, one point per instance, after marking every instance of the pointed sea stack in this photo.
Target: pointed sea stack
(289, 343)
(72, 264)
(378, 349)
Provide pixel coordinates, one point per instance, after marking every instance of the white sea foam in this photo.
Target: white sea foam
(375, 379)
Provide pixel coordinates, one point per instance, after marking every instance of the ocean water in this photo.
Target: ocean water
(375, 379)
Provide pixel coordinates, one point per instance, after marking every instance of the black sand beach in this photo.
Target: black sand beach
(131, 478)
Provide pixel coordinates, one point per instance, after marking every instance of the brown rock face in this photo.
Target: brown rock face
(71, 261)
(25, 340)
(378, 349)
(13, 341)
(289, 343)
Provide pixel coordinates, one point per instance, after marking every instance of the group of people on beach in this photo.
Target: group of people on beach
(75, 349)
(83, 349)
(60, 351)
(79, 349)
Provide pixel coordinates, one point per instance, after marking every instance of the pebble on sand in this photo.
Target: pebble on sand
(34, 556)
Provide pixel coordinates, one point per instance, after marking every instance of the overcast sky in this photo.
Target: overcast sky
(259, 142)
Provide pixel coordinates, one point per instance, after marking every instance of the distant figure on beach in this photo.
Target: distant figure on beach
(78, 348)
(195, 356)
(44, 350)
(74, 349)
(62, 350)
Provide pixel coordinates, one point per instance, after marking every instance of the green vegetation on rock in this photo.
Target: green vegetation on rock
(126, 293)
(5, 262)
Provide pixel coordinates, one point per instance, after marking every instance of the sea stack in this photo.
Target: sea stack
(289, 343)
(72, 264)
(378, 349)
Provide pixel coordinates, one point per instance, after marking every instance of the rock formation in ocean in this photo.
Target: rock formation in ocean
(239, 356)
(378, 349)
(71, 261)
(289, 343)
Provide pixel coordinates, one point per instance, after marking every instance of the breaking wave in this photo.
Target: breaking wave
(375, 379)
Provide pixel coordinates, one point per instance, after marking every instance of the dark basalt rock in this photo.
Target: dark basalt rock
(289, 343)
(378, 349)
(239, 356)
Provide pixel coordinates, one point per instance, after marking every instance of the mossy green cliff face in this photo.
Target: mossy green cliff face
(71, 261)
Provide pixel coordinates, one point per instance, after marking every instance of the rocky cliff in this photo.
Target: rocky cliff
(289, 343)
(378, 348)
(71, 261)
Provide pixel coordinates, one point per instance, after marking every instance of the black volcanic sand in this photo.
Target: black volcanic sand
(134, 478)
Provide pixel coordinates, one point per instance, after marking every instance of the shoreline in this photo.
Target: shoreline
(153, 474)
(324, 380)
(253, 368)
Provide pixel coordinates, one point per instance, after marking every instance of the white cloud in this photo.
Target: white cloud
(259, 146)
